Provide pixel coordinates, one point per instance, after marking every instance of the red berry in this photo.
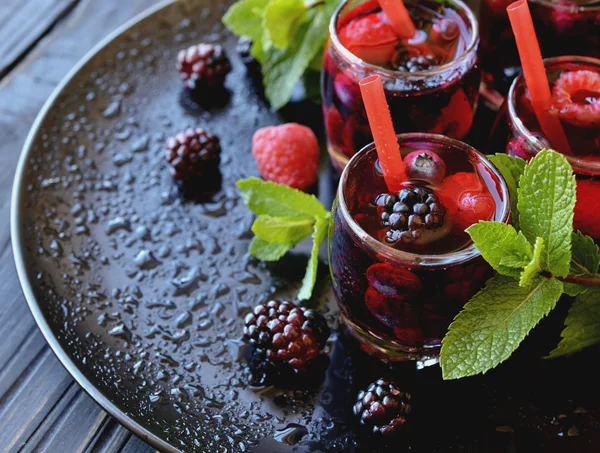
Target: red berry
(335, 126)
(426, 165)
(287, 154)
(576, 98)
(409, 336)
(392, 281)
(587, 208)
(371, 38)
(456, 117)
(390, 312)
(467, 199)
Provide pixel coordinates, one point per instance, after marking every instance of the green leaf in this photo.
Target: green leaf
(511, 168)
(533, 269)
(584, 261)
(493, 324)
(582, 324)
(546, 203)
(281, 20)
(282, 69)
(266, 251)
(308, 283)
(501, 246)
(245, 18)
(282, 230)
(278, 200)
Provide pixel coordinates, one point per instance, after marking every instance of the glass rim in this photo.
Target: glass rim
(415, 259)
(470, 50)
(576, 162)
(580, 8)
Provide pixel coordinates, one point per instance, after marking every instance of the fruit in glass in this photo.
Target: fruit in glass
(431, 81)
(575, 84)
(401, 262)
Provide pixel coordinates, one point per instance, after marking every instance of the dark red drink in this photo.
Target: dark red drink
(431, 81)
(401, 263)
(563, 27)
(575, 83)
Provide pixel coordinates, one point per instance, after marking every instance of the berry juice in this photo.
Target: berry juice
(431, 81)
(401, 263)
(575, 83)
(563, 27)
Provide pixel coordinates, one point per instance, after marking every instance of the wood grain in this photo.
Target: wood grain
(41, 408)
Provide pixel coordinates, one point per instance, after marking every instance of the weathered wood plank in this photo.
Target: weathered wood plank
(41, 409)
(24, 22)
(29, 401)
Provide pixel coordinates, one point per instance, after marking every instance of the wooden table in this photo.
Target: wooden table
(41, 408)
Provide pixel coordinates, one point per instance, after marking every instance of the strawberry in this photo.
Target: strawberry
(334, 123)
(587, 206)
(467, 199)
(287, 154)
(371, 38)
(576, 98)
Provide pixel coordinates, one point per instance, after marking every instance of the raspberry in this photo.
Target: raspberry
(587, 206)
(287, 334)
(193, 154)
(415, 215)
(287, 154)
(383, 408)
(371, 38)
(203, 66)
(576, 98)
(467, 199)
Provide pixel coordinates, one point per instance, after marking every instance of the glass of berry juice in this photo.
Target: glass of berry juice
(563, 27)
(575, 83)
(431, 81)
(401, 263)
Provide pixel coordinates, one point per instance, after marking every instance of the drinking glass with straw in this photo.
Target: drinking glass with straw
(535, 74)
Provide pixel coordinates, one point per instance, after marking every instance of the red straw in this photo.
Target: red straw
(535, 74)
(399, 18)
(382, 128)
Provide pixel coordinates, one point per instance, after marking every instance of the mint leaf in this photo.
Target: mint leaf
(546, 203)
(266, 251)
(282, 69)
(310, 277)
(281, 20)
(585, 258)
(533, 269)
(278, 200)
(245, 18)
(501, 246)
(511, 168)
(282, 230)
(582, 324)
(584, 261)
(493, 324)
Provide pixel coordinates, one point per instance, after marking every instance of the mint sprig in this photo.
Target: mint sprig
(286, 216)
(538, 258)
(288, 40)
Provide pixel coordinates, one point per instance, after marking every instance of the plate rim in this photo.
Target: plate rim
(17, 239)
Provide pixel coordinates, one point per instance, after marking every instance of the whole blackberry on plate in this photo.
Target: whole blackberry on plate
(193, 154)
(383, 408)
(289, 335)
(203, 66)
(410, 214)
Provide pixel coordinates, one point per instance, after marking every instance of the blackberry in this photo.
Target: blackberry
(193, 154)
(287, 333)
(383, 408)
(203, 66)
(409, 214)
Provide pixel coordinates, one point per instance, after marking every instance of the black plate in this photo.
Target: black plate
(141, 293)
